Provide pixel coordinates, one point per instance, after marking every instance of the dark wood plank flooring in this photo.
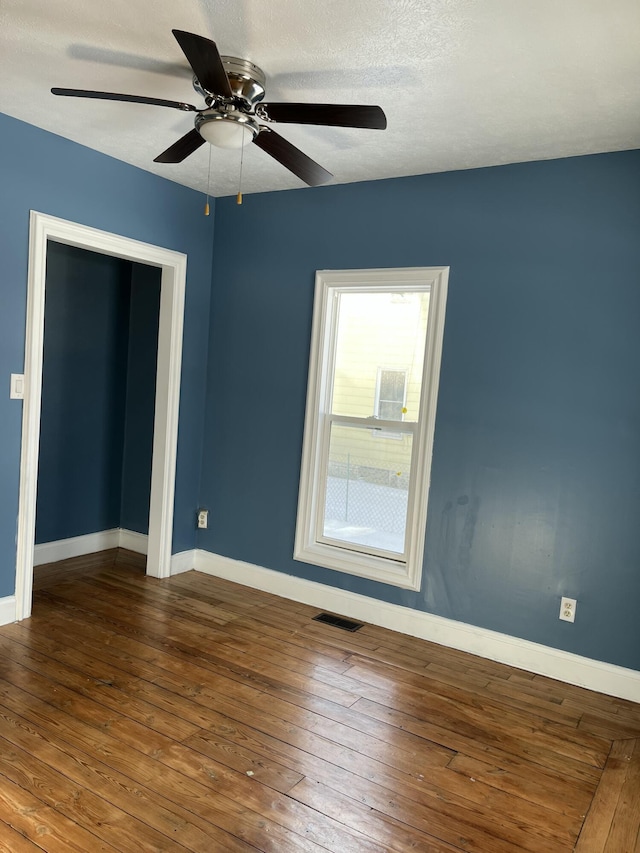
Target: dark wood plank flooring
(195, 714)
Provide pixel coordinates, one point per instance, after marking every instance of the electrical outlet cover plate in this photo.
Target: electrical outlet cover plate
(203, 519)
(568, 609)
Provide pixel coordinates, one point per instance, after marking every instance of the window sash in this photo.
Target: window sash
(397, 428)
(398, 570)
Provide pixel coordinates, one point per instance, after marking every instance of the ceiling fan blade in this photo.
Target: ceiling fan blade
(181, 149)
(292, 158)
(204, 58)
(336, 115)
(114, 96)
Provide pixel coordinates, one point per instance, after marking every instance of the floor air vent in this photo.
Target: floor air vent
(338, 622)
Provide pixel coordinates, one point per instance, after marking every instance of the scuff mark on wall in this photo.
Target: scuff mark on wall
(446, 588)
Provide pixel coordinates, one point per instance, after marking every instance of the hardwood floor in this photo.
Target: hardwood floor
(195, 714)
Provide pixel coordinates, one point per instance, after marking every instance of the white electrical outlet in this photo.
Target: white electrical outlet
(568, 609)
(203, 519)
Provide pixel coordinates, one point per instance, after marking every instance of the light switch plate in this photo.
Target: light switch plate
(17, 386)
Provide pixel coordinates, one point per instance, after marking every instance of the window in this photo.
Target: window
(391, 389)
(369, 428)
(391, 396)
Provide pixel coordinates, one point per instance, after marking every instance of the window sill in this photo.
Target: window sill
(389, 571)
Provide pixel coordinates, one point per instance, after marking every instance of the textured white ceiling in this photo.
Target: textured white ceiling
(464, 83)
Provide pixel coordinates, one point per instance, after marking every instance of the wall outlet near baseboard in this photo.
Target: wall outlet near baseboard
(568, 609)
(203, 519)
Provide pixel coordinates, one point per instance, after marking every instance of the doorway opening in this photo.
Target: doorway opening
(43, 230)
(97, 404)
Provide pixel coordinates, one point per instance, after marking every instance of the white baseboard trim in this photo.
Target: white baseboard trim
(77, 546)
(64, 549)
(523, 654)
(7, 609)
(185, 561)
(133, 541)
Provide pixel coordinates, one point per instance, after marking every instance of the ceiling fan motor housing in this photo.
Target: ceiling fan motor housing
(246, 80)
(227, 123)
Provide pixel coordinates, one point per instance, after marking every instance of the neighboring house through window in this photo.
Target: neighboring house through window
(369, 428)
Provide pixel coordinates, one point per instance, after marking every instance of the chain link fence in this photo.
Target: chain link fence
(361, 493)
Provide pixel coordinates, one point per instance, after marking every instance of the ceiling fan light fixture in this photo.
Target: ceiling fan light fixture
(227, 130)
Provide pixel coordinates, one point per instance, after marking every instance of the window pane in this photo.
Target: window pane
(390, 411)
(367, 486)
(391, 394)
(392, 385)
(373, 329)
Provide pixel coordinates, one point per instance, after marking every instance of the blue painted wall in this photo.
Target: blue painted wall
(144, 311)
(44, 172)
(84, 391)
(536, 472)
(98, 394)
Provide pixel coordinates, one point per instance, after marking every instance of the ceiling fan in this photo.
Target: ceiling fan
(233, 90)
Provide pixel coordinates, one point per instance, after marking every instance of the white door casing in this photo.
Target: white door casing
(172, 294)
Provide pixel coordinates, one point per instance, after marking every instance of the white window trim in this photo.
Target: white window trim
(404, 572)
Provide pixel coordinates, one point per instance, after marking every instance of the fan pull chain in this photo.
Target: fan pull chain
(206, 207)
(239, 196)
